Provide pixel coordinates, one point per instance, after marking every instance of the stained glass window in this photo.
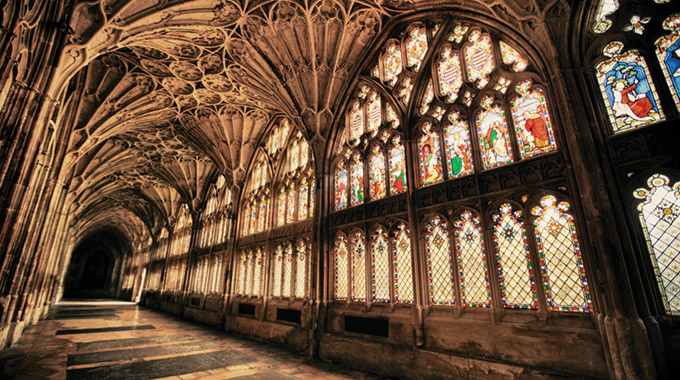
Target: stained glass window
(249, 274)
(258, 279)
(402, 269)
(450, 74)
(340, 186)
(373, 113)
(532, 121)
(397, 160)
(376, 173)
(242, 273)
(281, 209)
(253, 218)
(660, 219)
(566, 287)
(493, 134)
(392, 64)
(427, 98)
(287, 271)
(627, 88)
(303, 201)
(668, 53)
(301, 270)
(514, 265)
(312, 195)
(246, 222)
(405, 90)
(356, 122)
(510, 56)
(479, 62)
(430, 161)
(304, 153)
(457, 139)
(294, 156)
(290, 216)
(358, 267)
(263, 216)
(439, 262)
(278, 271)
(416, 47)
(472, 267)
(380, 266)
(340, 251)
(391, 116)
(606, 7)
(357, 188)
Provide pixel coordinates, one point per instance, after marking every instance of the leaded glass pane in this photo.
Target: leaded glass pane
(263, 216)
(493, 134)
(258, 278)
(303, 201)
(514, 265)
(566, 287)
(380, 266)
(281, 210)
(430, 161)
(246, 221)
(660, 218)
(479, 62)
(668, 53)
(402, 269)
(249, 273)
(301, 271)
(312, 195)
(405, 90)
(356, 122)
(253, 217)
(340, 187)
(427, 98)
(397, 159)
(627, 89)
(373, 113)
(439, 262)
(287, 271)
(606, 7)
(358, 267)
(391, 116)
(416, 47)
(357, 181)
(278, 271)
(243, 264)
(532, 121)
(458, 152)
(510, 56)
(340, 251)
(376, 173)
(474, 278)
(450, 74)
(290, 216)
(392, 64)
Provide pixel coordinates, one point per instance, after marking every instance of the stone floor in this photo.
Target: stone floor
(119, 340)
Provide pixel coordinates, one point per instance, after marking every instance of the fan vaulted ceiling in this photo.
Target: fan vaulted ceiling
(162, 96)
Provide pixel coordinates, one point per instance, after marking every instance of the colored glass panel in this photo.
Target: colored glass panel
(449, 74)
(253, 218)
(242, 273)
(258, 279)
(405, 90)
(340, 251)
(660, 219)
(246, 222)
(301, 271)
(290, 215)
(532, 123)
(356, 122)
(397, 160)
(479, 62)
(376, 173)
(391, 116)
(278, 271)
(402, 269)
(312, 195)
(357, 179)
(281, 209)
(472, 267)
(304, 153)
(514, 265)
(358, 267)
(668, 53)
(380, 266)
(294, 156)
(249, 274)
(416, 47)
(340, 188)
(439, 262)
(287, 271)
(458, 152)
(373, 113)
(392, 64)
(493, 136)
(566, 287)
(510, 56)
(427, 98)
(430, 160)
(304, 201)
(627, 89)
(263, 216)
(604, 9)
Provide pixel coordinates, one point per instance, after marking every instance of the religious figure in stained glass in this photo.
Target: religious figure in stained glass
(532, 121)
(340, 187)
(430, 162)
(627, 89)
(668, 52)
(493, 133)
(357, 181)
(377, 173)
(290, 216)
(397, 159)
(457, 139)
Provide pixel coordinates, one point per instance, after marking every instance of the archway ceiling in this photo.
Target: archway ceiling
(171, 92)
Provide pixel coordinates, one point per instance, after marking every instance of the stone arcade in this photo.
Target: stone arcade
(419, 189)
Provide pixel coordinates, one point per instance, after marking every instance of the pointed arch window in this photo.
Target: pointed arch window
(341, 254)
(439, 262)
(472, 264)
(182, 232)
(380, 265)
(659, 214)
